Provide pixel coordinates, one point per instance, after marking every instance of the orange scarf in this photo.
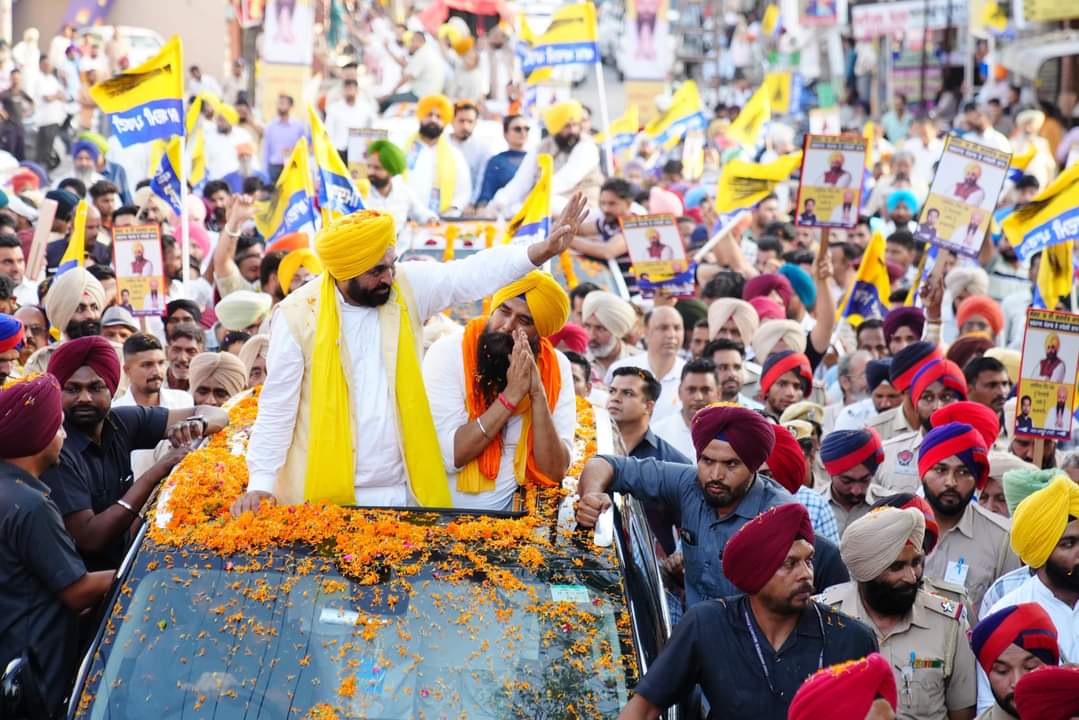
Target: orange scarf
(480, 473)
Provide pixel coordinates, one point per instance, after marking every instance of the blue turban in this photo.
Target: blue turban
(695, 197)
(80, 145)
(801, 282)
(841, 450)
(876, 372)
(1026, 625)
(11, 333)
(902, 195)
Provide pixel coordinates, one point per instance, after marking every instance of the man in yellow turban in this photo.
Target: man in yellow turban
(502, 396)
(438, 173)
(575, 157)
(343, 415)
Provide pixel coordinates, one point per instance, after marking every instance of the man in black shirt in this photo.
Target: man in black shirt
(43, 582)
(93, 486)
(772, 638)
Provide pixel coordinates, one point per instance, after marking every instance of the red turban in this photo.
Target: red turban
(982, 305)
(1026, 625)
(959, 440)
(845, 691)
(755, 552)
(767, 309)
(945, 371)
(30, 415)
(573, 337)
(787, 463)
(843, 449)
(780, 363)
(764, 285)
(94, 352)
(1048, 693)
(978, 416)
(750, 434)
(908, 361)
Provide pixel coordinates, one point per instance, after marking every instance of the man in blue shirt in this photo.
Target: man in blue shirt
(501, 168)
(710, 501)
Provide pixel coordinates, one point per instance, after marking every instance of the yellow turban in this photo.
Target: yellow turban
(835, 156)
(547, 301)
(874, 541)
(232, 117)
(352, 245)
(435, 102)
(294, 261)
(66, 293)
(973, 168)
(1039, 521)
(614, 313)
(224, 367)
(558, 116)
(1052, 341)
(463, 45)
(745, 317)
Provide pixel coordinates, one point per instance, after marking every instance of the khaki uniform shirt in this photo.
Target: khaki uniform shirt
(996, 712)
(930, 657)
(843, 517)
(899, 471)
(974, 553)
(890, 423)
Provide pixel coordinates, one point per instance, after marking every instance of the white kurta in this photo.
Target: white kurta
(380, 472)
(444, 376)
(423, 173)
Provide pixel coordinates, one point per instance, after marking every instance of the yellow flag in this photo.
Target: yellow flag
(746, 128)
(868, 297)
(532, 222)
(683, 115)
(290, 207)
(779, 91)
(622, 130)
(1055, 273)
(770, 19)
(744, 184)
(75, 254)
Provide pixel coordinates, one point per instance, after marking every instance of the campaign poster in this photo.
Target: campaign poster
(358, 140)
(140, 269)
(646, 46)
(288, 32)
(963, 195)
(1047, 375)
(658, 255)
(820, 13)
(830, 191)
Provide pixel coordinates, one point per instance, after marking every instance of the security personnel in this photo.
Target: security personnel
(772, 638)
(851, 458)
(905, 365)
(937, 384)
(813, 414)
(974, 547)
(923, 636)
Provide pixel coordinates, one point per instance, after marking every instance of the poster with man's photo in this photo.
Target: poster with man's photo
(830, 191)
(358, 140)
(658, 255)
(1047, 375)
(963, 195)
(140, 271)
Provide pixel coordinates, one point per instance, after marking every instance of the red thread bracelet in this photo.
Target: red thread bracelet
(506, 403)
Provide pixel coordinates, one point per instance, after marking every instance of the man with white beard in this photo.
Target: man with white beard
(85, 156)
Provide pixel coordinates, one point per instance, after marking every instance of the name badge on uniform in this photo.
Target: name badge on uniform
(957, 572)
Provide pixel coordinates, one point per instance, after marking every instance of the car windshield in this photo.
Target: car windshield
(283, 635)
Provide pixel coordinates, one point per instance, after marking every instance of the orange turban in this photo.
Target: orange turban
(441, 103)
(984, 306)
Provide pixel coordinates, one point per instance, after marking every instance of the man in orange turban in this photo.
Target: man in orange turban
(345, 368)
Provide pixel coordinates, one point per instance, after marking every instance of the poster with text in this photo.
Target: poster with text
(358, 140)
(288, 32)
(830, 191)
(658, 255)
(1047, 375)
(140, 279)
(963, 195)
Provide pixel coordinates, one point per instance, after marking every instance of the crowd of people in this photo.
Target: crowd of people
(846, 508)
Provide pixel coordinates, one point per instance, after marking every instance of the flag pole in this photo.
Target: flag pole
(605, 117)
(185, 229)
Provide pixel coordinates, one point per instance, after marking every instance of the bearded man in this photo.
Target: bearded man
(502, 396)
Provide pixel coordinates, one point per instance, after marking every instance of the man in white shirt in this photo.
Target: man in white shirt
(697, 390)
(349, 113)
(222, 142)
(145, 367)
(389, 191)
(982, 130)
(925, 147)
(499, 385)
(424, 72)
(443, 190)
(13, 264)
(475, 149)
(370, 300)
(49, 100)
(664, 335)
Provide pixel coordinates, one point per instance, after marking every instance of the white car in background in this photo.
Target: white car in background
(142, 43)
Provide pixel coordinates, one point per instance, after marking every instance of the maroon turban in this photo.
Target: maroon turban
(763, 285)
(981, 418)
(755, 552)
(911, 317)
(749, 433)
(94, 352)
(1048, 693)
(30, 415)
(787, 463)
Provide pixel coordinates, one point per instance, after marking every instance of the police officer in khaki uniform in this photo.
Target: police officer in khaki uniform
(974, 547)
(922, 635)
(851, 458)
(905, 365)
(813, 414)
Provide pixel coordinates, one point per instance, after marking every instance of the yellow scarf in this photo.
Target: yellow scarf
(349, 247)
(445, 171)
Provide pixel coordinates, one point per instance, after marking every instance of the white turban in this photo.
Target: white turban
(243, 308)
(1001, 462)
(770, 333)
(67, 291)
(745, 317)
(613, 313)
(874, 541)
(224, 367)
(972, 280)
(254, 348)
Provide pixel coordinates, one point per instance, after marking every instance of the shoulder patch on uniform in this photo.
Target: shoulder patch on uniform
(943, 605)
(904, 457)
(832, 596)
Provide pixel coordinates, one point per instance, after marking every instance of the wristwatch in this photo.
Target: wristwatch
(201, 419)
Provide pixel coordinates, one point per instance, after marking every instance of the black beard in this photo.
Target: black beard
(891, 600)
(926, 425)
(368, 297)
(946, 510)
(566, 143)
(85, 417)
(1062, 577)
(430, 130)
(82, 328)
(1007, 704)
(378, 183)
